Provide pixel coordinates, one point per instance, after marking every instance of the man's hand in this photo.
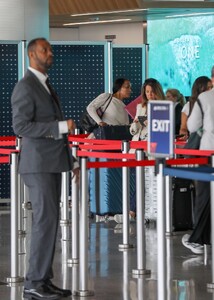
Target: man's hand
(103, 124)
(71, 125)
(76, 175)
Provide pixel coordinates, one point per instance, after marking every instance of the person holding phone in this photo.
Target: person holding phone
(151, 90)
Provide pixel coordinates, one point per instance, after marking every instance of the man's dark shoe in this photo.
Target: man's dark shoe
(51, 288)
(40, 293)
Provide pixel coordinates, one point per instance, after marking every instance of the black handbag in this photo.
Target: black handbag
(113, 132)
(87, 123)
(194, 139)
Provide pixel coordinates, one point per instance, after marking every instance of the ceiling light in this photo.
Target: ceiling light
(96, 22)
(189, 15)
(109, 12)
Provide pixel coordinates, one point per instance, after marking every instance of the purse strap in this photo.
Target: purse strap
(109, 98)
(199, 104)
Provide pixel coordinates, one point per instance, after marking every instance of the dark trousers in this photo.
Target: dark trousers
(44, 195)
(202, 229)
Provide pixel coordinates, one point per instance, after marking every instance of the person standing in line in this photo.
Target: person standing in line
(200, 85)
(179, 100)
(212, 76)
(112, 105)
(114, 111)
(202, 230)
(44, 155)
(151, 90)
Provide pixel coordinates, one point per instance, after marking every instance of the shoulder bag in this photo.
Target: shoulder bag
(87, 123)
(194, 139)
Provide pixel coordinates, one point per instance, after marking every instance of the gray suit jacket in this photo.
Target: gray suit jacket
(35, 119)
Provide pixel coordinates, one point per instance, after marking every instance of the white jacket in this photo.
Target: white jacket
(195, 120)
(136, 129)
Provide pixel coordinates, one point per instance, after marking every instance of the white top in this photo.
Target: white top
(115, 114)
(186, 108)
(136, 129)
(194, 121)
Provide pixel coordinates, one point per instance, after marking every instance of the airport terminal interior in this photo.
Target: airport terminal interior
(171, 41)
(110, 269)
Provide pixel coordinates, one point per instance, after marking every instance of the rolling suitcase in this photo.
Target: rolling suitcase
(105, 190)
(183, 192)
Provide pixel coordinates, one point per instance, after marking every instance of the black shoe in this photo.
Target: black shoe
(51, 288)
(40, 293)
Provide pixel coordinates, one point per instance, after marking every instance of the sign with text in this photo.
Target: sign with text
(160, 128)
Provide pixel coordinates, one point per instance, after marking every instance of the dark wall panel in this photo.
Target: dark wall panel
(128, 63)
(78, 76)
(9, 77)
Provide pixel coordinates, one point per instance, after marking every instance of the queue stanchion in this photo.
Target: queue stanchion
(161, 250)
(140, 204)
(64, 222)
(126, 200)
(211, 285)
(84, 228)
(168, 189)
(20, 196)
(15, 278)
(75, 216)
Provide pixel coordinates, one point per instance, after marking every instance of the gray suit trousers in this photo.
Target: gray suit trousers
(44, 194)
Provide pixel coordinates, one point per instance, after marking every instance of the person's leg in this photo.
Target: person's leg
(44, 193)
(202, 230)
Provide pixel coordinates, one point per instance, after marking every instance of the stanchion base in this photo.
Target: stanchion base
(137, 272)
(125, 246)
(65, 222)
(73, 261)
(210, 286)
(83, 293)
(15, 279)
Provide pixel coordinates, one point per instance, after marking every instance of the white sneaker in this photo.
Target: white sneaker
(194, 247)
(119, 219)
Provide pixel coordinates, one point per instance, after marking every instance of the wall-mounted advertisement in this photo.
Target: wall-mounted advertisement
(180, 50)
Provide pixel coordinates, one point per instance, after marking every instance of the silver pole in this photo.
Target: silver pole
(168, 196)
(20, 195)
(75, 217)
(140, 204)
(126, 200)
(125, 275)
(64, 222)
(161, 256)
(211, 285)
(14, 219)
(84, 227)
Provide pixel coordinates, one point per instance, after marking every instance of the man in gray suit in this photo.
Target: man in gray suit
(44, 154)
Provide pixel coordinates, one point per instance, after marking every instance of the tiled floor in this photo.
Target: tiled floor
(110, 270)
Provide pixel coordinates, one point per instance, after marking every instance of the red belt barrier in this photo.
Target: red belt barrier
(4, 159)
(7, 138)
(194, 152)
